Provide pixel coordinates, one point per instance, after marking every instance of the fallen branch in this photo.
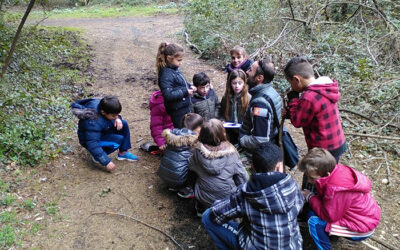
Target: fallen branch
(387, 167)
(374, 136)
(361, 115)
(191, 45)
(141, 222)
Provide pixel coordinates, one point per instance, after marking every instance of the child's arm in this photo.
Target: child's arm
(330, 209)
(169, 91)
(224, 210)
(93, 134)
(241, 176)
(301, 112)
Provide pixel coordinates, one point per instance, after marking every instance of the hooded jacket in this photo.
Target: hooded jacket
(245, 66)
(174, 168)
(345, 202)
(206, 106)
(316, 111)
(269, 204)
(159, 119)
(219, 171)
(92, 125)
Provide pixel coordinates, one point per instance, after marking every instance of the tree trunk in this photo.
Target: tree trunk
(14, 42)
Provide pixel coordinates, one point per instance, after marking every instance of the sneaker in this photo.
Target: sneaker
(94, 161)
(127, 157)
(186, 193)
(199, 209)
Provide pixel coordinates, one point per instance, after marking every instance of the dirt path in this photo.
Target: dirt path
(125, 50)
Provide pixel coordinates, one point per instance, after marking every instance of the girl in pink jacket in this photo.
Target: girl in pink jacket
(343, 205)
(159, 119)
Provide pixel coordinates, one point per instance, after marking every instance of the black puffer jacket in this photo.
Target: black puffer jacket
(174, 164)
(174, 88)
(206, 106)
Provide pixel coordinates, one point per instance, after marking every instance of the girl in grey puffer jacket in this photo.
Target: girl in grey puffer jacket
(216, 163)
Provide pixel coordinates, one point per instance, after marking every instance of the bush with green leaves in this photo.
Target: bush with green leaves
(46, 69)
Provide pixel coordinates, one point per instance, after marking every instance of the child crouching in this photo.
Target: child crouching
(343, 206)
(217, 165)
(268, 203)
(173, 168)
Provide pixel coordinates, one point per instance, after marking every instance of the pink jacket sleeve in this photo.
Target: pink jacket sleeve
(330, 209)
(157, 114)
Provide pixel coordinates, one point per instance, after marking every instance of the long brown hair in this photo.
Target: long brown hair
(164, 50)
(212, 133)
(244, 98)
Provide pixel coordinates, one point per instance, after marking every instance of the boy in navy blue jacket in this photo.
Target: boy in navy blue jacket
(101, 130)
(268, 203)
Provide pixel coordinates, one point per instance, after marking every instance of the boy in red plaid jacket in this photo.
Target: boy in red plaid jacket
(316, 110)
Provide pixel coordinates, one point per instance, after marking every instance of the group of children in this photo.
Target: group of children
(200, 159)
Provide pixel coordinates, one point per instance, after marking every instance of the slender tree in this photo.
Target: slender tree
(14, 42)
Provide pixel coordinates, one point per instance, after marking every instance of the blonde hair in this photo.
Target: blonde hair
(317, 160)
(164, 50)
(244, 98)
(239, 50)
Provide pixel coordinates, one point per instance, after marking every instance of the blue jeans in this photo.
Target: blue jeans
(316, 226)
(225, 236)
(117, 139)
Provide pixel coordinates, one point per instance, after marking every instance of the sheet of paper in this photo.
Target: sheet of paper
(231, 125)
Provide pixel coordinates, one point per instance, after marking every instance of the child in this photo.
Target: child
(101, 130)
(204, 100)
(216, 163)
(235, 102)
(268, 203)
(239, 60)
(159, 119)
(316, 110)
(343, 206)
(173, 85)
(174, 164)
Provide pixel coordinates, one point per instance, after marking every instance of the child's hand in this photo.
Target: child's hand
(192, 89)
(110, 166)
(118, 124)
(305, 192)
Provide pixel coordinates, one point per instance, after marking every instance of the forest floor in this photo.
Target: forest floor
(124, 56)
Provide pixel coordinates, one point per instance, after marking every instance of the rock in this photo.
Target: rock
(385, 181)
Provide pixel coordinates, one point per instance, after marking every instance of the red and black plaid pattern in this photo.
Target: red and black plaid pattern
(316, 111)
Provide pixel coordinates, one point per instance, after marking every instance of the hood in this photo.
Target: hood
(156, 98)
(261, 192)
(213, 157)
(344, 178)
(326, 87)
(180, 137)
(86, 108)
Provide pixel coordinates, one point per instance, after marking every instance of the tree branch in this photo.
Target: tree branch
(374, 136)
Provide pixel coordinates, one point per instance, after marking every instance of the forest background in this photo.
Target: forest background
(355, 42)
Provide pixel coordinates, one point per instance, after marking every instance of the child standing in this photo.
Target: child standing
(204, 100)
(173, 85)
(174, 168)
(159, 119)
(101, 130)
(239, 60)
(343, 206)
(268, 203)
(316, 110)
(235, 102)
(216, 163)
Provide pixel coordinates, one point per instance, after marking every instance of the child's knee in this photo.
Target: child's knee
(205, 218)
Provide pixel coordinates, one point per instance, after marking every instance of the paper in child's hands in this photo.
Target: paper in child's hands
(231, 125)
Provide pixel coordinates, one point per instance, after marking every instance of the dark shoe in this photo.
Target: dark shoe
(199, 209)
(186, 193)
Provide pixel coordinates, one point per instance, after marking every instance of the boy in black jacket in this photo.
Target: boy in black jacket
(205, 100)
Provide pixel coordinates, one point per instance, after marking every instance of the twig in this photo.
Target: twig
(369, 245)
(141, 222)
(350, 120)
(367, 37)
(387, 168)
(291, 8)
(376, 171)
(361, 115)
(383, 243)
(388, 123)
(374, 136)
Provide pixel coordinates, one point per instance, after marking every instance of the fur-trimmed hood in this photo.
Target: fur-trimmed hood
(86, 108)
(214, 159)
(180, 137)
